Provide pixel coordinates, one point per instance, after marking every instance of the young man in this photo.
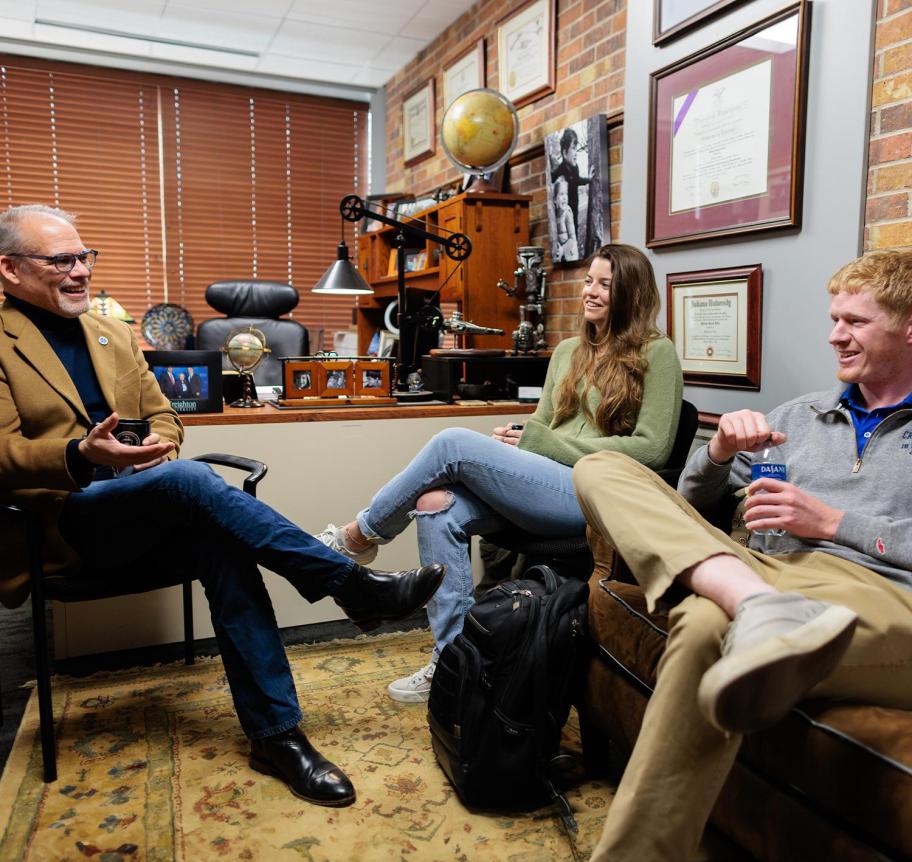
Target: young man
(65, 377)
(824, 609)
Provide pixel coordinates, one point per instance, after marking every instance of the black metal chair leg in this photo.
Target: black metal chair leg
(45, 705)
(189, 646)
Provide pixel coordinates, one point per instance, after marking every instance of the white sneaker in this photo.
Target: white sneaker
(415, 688)
(777, 648)
(333, 538)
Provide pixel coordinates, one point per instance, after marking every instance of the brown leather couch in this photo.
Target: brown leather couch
(830, 782)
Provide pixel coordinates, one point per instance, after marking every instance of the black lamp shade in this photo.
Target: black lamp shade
(342, 278)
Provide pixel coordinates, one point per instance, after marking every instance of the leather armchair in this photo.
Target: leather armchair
(258, 303)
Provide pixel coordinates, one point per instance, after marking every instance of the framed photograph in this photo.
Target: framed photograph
(418, 124)
(672, 18)
(335, 378)
(466, 72)
(579, 217)
(387, 346)
(525, 52)
(190, 379)
(714, 321)
(726, 135)
(372, 377)
(299, 378)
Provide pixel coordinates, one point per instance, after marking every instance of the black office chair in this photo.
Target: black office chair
(98, 585)
(570, 554)
(258, 303)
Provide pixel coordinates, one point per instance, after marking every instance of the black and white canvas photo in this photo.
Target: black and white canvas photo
(578, 199)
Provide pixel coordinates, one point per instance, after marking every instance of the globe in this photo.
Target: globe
(246, 349)
(479, 130)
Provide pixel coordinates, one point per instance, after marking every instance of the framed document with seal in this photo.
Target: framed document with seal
(418, 124)
(525, 52)
(714, 321)
(726, 135)
(466, 72)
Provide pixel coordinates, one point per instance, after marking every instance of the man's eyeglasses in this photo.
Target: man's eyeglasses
(64, 262)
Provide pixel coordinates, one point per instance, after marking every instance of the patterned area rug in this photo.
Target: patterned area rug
(153, 766)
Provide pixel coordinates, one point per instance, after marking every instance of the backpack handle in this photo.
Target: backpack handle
(545, 574)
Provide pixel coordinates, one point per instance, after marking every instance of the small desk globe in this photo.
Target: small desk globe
(479, 132)
(246, 350)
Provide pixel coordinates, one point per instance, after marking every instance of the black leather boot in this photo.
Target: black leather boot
(290, 757)
(370, 598)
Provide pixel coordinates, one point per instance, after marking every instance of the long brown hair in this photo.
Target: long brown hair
(613, 360)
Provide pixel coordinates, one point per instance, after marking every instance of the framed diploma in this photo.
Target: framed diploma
(726, 135)
(466, 72)
(418, 124)
(525, 52)
(714, 321)
(672, 18)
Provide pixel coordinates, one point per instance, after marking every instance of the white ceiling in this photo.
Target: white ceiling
(356, 45)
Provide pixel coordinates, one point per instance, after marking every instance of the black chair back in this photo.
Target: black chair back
(684, 437)
(258, 303)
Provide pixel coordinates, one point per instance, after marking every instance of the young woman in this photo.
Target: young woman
(616, 386)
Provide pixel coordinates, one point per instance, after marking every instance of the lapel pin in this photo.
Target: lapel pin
(102, 340)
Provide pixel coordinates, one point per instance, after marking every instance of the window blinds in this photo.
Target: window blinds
(181, 183)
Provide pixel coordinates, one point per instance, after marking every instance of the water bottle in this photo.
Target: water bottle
(769, 463)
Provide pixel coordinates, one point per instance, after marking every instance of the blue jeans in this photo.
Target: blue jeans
(490, 486)
(183, 515)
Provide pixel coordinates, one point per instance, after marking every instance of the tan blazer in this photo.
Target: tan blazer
(41, 411)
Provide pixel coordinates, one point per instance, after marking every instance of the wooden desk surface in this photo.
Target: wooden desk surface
(269, 415)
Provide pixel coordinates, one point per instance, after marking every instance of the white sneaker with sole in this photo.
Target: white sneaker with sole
(777, 648)
(333, 538)
(415, 688)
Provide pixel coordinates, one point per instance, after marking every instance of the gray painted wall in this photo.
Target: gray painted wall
(796, 266)
(377, 142)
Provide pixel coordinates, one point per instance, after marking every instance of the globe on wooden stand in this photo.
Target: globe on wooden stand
(478, 133)
(246, 349)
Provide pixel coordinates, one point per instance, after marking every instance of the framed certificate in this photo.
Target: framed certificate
(714, 321)
(726, 141)
(418, 124)
(672, 18)
(466, 72)
(525, 52)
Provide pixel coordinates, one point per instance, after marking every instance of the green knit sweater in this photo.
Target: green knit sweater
(650, 441)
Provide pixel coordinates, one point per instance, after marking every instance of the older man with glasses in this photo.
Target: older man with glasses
(66, 375)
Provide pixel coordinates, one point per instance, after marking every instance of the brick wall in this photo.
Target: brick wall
(590, 80)
(888, 213)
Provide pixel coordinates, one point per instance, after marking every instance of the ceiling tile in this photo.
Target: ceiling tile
(301, 67)
(434, 17)
(388, 18)
(396, 53)
(302, 39)
(21, 10)
(227, 30)
(138, 16)
(82, 41)
(269, 8)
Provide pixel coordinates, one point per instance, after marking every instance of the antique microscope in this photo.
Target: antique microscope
(529, 282)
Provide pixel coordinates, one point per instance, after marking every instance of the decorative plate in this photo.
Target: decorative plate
(167, 326)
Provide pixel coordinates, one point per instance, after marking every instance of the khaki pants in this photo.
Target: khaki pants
(680, 761)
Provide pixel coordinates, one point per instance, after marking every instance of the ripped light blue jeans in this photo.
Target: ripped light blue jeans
(490, 486)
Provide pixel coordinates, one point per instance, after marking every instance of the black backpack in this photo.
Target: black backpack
(502, 691)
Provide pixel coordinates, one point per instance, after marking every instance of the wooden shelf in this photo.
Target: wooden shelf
(496, 224)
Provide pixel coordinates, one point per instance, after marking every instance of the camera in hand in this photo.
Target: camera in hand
(131, 432)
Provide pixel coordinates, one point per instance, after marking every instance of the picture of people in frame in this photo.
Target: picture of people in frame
(302, 380)
(371, 379)
(578, 189)
(183, 384)
(336, 379)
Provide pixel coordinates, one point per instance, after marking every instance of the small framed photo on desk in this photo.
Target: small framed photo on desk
(190, 379)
